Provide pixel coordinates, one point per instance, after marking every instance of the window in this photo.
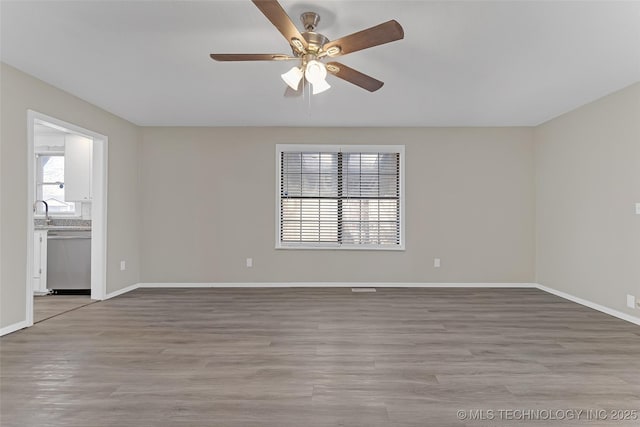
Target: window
(50, 185)
(348, 197)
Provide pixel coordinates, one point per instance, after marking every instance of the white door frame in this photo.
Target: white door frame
(98, 207)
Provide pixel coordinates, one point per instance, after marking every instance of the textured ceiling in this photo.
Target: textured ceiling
(461, 63)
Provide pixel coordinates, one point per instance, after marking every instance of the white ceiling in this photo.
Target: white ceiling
(475, 63)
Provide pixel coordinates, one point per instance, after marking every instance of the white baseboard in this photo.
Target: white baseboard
(12, 328)
(593, 305)
(335, 285)
(122, 291)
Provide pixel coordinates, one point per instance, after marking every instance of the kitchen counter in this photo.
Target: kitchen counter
(63, 227)
(63, 224)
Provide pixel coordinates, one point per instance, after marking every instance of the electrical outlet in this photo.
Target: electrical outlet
(637, 208)
(436, 262)
(249, 262)
(631, 301)
(123, 265)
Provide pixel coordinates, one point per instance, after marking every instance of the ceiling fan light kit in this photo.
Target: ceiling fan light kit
(310, 48)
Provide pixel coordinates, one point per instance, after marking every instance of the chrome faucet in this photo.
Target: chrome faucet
(47, 220)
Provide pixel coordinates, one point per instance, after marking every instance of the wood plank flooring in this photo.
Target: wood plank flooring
(47, 306)
(321, 357)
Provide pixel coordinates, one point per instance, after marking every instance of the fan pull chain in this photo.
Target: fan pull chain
(309, 97)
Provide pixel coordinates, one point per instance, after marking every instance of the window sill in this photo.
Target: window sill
(340, 247)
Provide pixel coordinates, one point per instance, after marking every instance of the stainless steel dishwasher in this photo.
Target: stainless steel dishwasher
(69, 260)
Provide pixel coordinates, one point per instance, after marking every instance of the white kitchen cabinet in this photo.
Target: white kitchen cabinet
(39, 261)
(78, 160)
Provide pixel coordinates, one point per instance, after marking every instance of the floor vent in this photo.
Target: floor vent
(363, 289)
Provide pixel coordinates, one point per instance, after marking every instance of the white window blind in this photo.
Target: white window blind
(335, 197)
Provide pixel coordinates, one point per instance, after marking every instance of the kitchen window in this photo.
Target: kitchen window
(340, 197)
(50, 186)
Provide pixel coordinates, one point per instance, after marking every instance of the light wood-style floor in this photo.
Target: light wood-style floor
(319, 357)
(47, 306)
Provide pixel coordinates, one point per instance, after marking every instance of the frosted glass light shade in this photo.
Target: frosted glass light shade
(293, 77)
(320, 86)
(316, 73)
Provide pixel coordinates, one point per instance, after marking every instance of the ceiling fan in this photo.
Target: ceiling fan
(311, 48)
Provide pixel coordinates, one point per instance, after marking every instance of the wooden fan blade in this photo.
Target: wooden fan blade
(279, 18)
(251, 57)
(353, 76)
(380, 34)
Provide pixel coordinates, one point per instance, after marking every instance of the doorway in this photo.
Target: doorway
(83, 211)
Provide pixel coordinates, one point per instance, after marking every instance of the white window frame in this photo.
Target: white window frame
(280, 148)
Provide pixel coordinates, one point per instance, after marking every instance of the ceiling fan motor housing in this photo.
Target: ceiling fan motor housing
(315, 41)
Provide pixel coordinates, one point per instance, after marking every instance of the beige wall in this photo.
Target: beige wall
(587, 181)
(20, 92)
(182, 201)
(208, 203)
